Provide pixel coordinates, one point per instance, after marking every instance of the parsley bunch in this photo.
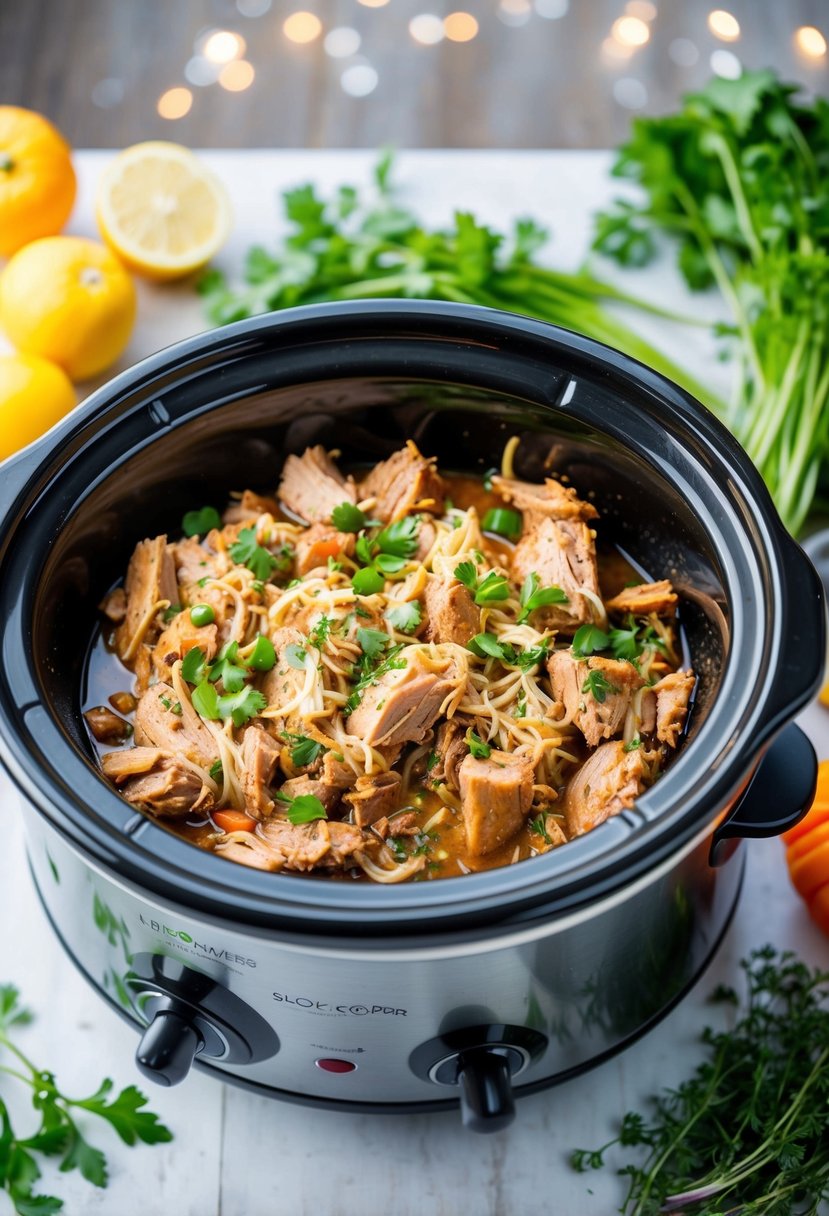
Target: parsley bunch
(748, 1133)
(58, 1133)
(739, 180)
(357, 246)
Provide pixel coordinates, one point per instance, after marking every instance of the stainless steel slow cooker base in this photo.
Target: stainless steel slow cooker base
(346, 1025)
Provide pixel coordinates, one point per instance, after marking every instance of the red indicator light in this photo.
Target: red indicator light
(335, 1065)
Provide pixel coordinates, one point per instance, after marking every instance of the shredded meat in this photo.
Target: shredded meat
(373, 797)
(673, 692)
(617, 681)
(151, 577)
(196, 561)
(496, 794)
(181, 636)
(403, 824)
(404, 703)
(405, 482)
(329, 795)
(260, 757)
(312, 485)
(280, 844)
(318, 543)
(451, 748)
(283, 682)
(608, 782)
(451, 613)
(157, 725)
(249, 507)
(157, 781)
(538, 502)
(643, 599)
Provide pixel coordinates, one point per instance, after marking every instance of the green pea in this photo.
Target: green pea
(202, 614)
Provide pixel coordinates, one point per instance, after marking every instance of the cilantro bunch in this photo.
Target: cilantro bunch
(739, 180)
(359, 246)
(748, 1132)
(58, 1133)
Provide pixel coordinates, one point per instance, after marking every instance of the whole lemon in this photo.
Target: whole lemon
(69, 300)
(34, 395)
(37, 181)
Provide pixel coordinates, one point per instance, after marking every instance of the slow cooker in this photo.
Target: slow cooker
(467, 990)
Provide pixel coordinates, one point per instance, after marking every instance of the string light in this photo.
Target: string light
(630, 31)
(175, 103)
(460, 27)
(726, 64)
(723, 25)
(810, 42)
(341, 42)
(237, 76)
(223, 45)
(426, 28)
(302, 27)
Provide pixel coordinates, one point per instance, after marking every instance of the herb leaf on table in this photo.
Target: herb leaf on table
(58, 1132)
(748, 1133)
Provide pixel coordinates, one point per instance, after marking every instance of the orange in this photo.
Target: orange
(69, 300)
(161, 210)
(34, 395)
(37, 181)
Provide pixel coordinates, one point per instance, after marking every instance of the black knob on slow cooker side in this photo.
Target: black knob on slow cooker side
(168, 1048)
(485, 1089)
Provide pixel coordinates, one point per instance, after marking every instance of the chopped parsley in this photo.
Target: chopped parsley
(479, 749)
(226, 669)
(197, 523)
(534, 596)
(384, 554)
(626, 644)
(241, 706)
(432, 761)
(588, 640)
(305, 808)
(304, 751)
(539, 825)
(634, 744)
(369, 670)
(248, 552)
(405, 617)
(598, 685)
(372, 642)
(216, 771)
(487, 645)
(491, 589)
(319, 634)
(194, 665)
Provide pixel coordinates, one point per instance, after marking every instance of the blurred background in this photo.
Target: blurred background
(361, 73)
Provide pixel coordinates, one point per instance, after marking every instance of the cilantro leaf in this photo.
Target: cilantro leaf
(226, 669)
(194, 666)
(487, 645)
(598, 685)
(400, 538)
(372, 641)
(242, 706)
(305, 808)
(624, 643)
(304, 751)
(533, 596)
(479, 749)
(467, 574)
(197, 523)
(348, 518)
(405, 617)
(588, 639)
(248, 552)
(206, 701)
(492, 589)
(370, 670)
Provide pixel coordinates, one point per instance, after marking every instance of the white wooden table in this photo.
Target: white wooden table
(239, 1155)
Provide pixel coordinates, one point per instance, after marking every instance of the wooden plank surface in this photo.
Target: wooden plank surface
(240, 1155)
(544, 83)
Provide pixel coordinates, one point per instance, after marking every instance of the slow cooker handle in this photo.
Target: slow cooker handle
(777, 797)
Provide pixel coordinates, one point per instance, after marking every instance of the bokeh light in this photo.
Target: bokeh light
(426, 28)
(726, 64)
(613, 52)
(201, 72)
(724, 25)
(643, 9)
(359, 80)
(221, 46)
(630, 31)
(341, 42)
(253, 8)
(302, 27)
(237, 76)
(810, 42)
(514, 12)
(683, 52)
(552, 10)
(460, 27)
(630, 93)
(175, 103)
(373, 4)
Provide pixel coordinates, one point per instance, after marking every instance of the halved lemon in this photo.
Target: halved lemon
(161, 210)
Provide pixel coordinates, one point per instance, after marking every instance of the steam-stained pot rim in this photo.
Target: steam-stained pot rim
(769, 582)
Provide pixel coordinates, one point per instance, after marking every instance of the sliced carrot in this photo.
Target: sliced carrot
(234, 821)
(321, 550)
(811, 871)
(819, 908)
